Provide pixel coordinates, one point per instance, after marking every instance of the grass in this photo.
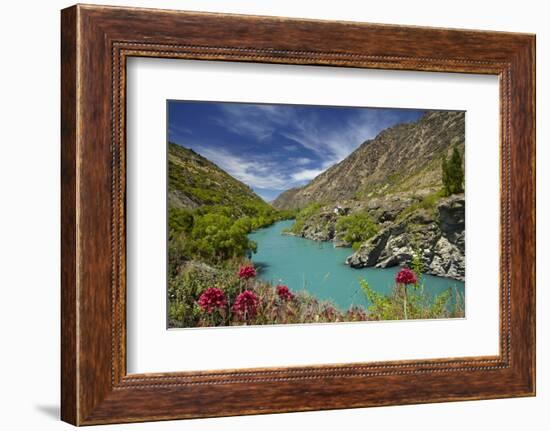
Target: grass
(428, 203)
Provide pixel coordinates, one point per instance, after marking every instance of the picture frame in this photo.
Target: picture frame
(96, 42)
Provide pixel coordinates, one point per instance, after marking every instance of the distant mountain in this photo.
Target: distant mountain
(403, 158)
(194, 181)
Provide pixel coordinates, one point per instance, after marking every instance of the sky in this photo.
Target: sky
(273, 148)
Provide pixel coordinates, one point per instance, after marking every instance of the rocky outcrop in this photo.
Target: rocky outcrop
(321, 226)
(438, 234)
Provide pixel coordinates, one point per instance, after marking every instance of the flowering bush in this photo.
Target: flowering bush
(212, 299)
(356, 313)
(284, 293)
(405, 276)
(246, 272)
(246, 305)
(235, 301)
(330, 313)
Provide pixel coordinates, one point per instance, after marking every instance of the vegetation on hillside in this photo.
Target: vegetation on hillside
(214, 234)
(215, 228)
(202, 183)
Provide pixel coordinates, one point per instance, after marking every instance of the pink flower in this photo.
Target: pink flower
(212, 299)
(284, 293)
(357, 313)
(246, 272)
(246, 304)
(329, 312)
(405, 276)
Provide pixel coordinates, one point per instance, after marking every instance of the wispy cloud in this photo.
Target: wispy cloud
(332, 142)
(258, 120)
(335, 143)
(256, 172)
(179, 129)
(306, 174)
(301, 160)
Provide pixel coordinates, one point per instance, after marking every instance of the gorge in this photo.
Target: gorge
(396, 201)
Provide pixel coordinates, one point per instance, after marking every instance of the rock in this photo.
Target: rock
(448, 260)
(439, 235)
(369, 252)
(340, 243)
(387, 208)
(320, 227)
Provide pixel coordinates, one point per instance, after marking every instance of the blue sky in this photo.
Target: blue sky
(275, 147)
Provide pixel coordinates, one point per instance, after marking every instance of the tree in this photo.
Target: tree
(356, 228)
(452, 173)
(217, 237)
(180, 220)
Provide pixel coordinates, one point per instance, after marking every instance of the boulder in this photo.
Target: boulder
(438, 234)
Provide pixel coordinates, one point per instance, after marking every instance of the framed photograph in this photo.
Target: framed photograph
(322, 214)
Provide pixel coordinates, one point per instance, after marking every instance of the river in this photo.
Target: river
(320, 269)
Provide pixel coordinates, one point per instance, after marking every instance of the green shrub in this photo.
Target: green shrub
(216, 237)
(415, 304)
(356, 228)
(180, 220)
(428, 203)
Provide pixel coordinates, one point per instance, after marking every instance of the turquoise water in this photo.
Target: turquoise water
(320, 269)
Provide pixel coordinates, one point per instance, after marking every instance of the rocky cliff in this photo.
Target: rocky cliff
(437, 235)
(401, 159)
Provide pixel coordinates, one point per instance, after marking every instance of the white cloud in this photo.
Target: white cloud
(256, 173)
(306, 174)
(337, 143)
(301, 160)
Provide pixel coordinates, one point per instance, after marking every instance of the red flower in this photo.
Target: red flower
(246, 272)
(405, 276)
(284, 293)
(212, 299)
(358, 313)
(246, 304)
(329, 312)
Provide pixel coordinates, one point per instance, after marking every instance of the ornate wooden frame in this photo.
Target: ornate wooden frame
(95, 42)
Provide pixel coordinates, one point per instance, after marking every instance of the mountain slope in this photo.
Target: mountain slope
(194, 181)
(403, 158)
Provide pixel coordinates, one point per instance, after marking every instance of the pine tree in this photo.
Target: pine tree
(445, 175)
(452, 173)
